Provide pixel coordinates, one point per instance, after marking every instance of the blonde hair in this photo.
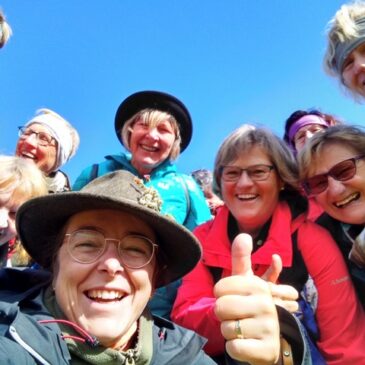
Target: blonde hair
(23, 180)
(344, 27)
(151, 118)
(5, 30)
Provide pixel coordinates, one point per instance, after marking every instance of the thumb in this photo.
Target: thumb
(273, 272)
(241, 255)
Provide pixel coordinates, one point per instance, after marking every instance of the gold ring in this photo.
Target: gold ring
(237, 329)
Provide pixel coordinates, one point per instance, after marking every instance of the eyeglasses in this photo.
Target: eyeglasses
(42, 138)
(86, 246)
(343, 171)
(254, 172)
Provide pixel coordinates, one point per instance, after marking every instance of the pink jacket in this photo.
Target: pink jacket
(339, 315)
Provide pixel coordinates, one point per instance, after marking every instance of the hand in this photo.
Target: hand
(246, 309)
(284, 295)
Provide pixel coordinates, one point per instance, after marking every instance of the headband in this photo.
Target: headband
(61, 132)
(303, 121)
(343, 49)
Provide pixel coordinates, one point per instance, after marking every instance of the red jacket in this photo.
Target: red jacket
(339, 315)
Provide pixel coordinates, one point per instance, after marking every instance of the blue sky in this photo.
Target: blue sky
(230, 62)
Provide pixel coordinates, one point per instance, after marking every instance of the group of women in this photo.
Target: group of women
(275, 276)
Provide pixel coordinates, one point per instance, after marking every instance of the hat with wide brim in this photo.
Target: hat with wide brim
(41, 220)
(159, 101)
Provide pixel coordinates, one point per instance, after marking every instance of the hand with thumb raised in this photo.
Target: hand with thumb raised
(246, 309)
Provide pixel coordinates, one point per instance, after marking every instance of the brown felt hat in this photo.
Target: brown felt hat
(41, 219)
(159, 101)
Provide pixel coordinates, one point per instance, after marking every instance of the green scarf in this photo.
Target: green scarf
(83, 354)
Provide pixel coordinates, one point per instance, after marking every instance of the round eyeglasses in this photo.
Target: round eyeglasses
(343, 171)
(42, 138)
(86, 246)
(254, 172)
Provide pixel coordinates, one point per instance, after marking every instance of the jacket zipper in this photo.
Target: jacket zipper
(14, 334)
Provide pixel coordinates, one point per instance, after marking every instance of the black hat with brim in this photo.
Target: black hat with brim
(159, 101)
(40, 221)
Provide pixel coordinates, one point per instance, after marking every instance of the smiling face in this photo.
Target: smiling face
(252, 203)
(353, 73)
(103, 297)
(304, 133)
(150, 146)
(43, 156)
(8, 209)
(343, 200)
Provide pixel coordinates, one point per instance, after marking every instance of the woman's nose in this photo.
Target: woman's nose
(335, 187)
(359, 64)
(31, 140)
(110, 261)
(153, 133)
(244, 179)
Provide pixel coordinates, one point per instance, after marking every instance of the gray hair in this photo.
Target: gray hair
(352, 137)
(243, 139)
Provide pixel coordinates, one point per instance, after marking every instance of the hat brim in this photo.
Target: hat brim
(159, 101)
(40, 220)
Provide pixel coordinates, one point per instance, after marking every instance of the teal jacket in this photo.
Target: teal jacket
(182, 198)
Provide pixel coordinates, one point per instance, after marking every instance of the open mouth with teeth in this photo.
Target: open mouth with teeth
(343, 203)
(105, 296)
(28, 155)
(247, 196)
(149, 148)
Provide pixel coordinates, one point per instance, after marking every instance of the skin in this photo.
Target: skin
(343, 200)
(150, 146)
(43, 156)
(246, 297)
(353, 73)
(305, 133)
(112, 321)
(252, 203)
(8, 209)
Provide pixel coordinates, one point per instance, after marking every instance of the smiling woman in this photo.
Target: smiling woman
(20, 180)
(155, 127)
(49, 141)
(107, 248)
(332, 169)
(257, 177)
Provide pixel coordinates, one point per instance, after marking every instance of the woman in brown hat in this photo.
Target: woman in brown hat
(107, 248)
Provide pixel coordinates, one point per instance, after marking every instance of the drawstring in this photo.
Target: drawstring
(92, 341)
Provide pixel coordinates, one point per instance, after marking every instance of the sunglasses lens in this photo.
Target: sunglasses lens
(316, 184)
(343, 171)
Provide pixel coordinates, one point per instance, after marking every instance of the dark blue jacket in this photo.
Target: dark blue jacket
(24, 341)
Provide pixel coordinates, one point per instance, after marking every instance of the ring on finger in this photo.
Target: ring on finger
(237, 329)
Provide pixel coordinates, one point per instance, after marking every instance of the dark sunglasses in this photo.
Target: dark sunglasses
(344, 170)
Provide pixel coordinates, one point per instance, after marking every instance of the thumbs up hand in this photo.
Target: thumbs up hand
(284, 295)
(246, 309)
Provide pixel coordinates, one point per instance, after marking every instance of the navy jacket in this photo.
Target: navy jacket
(24, 341)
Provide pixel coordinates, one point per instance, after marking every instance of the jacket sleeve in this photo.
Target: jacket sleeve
(194, 305)
(339, 315)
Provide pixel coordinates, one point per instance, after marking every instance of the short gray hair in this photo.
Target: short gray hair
(243, 139)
